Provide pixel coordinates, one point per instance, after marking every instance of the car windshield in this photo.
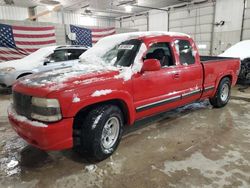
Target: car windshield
(40, 53)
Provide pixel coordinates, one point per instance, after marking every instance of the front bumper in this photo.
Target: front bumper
(6, 80)
(53, 136)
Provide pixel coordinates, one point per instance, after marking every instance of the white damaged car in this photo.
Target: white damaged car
(241, 50)
(44, 59)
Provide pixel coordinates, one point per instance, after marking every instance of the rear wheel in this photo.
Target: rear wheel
(100, 132)
(222, 95)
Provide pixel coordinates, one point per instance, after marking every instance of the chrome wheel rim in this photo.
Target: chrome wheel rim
(224, 92)
(110, 132)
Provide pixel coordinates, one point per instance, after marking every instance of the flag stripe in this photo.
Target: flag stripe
(16, 51)
(33, 32)
(35, 43)
(12, 55)
(106, 33)
(102, 30)
(7, 58)
(98, 37)
(34, 35)
(25, 28)
(17, 39)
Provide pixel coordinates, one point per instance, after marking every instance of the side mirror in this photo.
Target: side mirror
(46, 61)
(151, 65)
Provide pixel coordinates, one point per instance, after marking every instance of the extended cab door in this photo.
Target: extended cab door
(156, 91)
(190, 70)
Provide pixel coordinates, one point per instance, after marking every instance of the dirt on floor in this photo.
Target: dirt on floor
(192, 146)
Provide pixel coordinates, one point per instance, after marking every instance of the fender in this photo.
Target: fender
(221, 75)
(123, 96)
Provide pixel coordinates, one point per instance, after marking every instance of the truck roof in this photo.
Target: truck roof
(66, 47)
(146, 34)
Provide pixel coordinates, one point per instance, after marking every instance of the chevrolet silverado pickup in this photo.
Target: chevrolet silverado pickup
(122, 79)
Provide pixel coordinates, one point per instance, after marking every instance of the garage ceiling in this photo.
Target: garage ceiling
(110, 8)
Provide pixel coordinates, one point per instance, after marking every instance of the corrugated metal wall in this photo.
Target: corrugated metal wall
(246, 28)
(136, 22)
(78, 19)
(197, 22)
(13, 13)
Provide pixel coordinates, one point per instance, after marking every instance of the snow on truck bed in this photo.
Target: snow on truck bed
(91, 61)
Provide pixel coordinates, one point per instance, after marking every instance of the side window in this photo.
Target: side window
(57, 56)
(185, 51)
(74, 54)
(162, 52)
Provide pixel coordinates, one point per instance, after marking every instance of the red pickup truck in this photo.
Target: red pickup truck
(122, 79)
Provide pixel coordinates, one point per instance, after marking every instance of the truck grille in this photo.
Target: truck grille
(22, 104)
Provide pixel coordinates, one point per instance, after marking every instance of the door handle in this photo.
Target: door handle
(176, 75)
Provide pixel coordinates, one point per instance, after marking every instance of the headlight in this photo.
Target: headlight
(7, 69)
(47, 110)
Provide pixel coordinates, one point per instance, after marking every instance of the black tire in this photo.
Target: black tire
(220, 100)
(88, 139)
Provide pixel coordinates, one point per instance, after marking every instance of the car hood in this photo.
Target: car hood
(44, 83)
(22, 64)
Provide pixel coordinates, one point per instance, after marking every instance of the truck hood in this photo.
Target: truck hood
(44, 83)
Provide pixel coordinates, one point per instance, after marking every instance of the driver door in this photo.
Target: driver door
(156, 91)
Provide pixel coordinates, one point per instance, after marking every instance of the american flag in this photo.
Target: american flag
(19, 41)
(88, 37)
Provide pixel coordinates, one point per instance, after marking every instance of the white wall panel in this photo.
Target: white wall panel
(231, 12)
(246, 28)
(196, 21)
(13, 13)
(158, 21)
(135, 22)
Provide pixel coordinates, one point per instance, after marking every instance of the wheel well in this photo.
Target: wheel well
(24, 74)
(228, 76)
(123, 107)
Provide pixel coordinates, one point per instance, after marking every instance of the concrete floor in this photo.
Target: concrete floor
(193, 146)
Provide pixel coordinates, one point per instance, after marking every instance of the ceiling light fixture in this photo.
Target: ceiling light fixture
(49, 7)
(128, 8)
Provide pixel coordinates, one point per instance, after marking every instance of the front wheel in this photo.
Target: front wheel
(101, 132)
(222, 95)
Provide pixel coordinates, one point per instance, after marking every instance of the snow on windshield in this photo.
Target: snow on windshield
(239, 50)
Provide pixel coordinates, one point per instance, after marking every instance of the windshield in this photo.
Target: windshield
(122, 54)
(40, 53)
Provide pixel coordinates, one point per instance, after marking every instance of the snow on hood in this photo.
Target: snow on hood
(239, 50)
(81, 74)
(31, 61)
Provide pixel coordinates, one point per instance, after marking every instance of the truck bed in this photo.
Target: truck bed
(209, 59)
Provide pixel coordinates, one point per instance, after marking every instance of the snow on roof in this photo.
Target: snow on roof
(107, 43)
(239, 50)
